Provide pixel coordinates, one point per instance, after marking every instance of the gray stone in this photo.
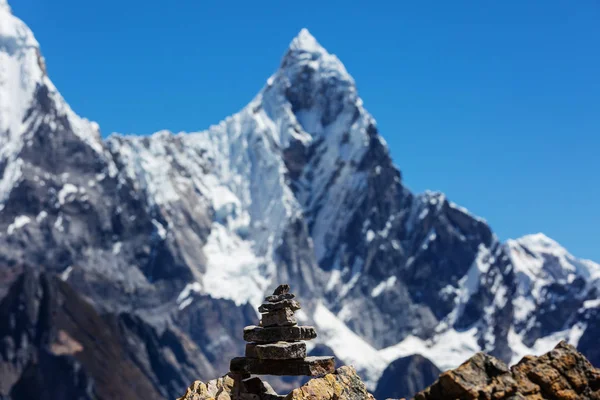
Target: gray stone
(275, 298)
(310, 366)
(278, 334)
(283, 317)
(282, 289)
(287, 303)
(276, 351)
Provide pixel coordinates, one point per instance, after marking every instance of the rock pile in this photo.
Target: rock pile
(277, 346)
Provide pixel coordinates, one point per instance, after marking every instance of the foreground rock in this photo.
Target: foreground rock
(343, 384)
(562, 374)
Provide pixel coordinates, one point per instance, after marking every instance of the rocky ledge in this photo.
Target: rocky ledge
(343, 383)
(561, 374)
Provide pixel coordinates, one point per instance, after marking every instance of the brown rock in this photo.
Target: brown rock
(283, 317)
(310, 366)
(217, 389)
(278, 334)
(287, 303)
(276, 351)
(562, 374)
(343, 384)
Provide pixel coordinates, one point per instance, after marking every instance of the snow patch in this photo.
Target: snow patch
(447, 350)
(349, 347)
(67, 193)
(382, 286)
(160, 229)
(185, 298)
(66, 273)
(18, 223)
(233, 270)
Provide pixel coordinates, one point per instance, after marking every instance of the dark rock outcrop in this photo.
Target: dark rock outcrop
(406, 376)
(561, 374)
(55, 345)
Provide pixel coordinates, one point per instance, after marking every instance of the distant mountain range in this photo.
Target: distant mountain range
(151, 253)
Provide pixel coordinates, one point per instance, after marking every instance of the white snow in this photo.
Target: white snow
(383, 285)
(117, 247)
(185, 298)
(540, 261)
(595, 303)
(349, 347)
(544, 344)
(41, 216)
(67, 193)
(66, 273)
(160, 229)
(447, 350)
(58, 224)
(233, 270)
(18, 223)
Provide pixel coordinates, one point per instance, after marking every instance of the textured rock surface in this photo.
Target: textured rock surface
(278, 333)
(279, 297)
(287, 303)
(405, 377)
(561, 374)
(276, 351)
(309, 366)
(342, 384)
(283, 317)
(218, 389)
(54, 345)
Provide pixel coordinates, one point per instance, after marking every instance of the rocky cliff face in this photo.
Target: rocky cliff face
(185, 233)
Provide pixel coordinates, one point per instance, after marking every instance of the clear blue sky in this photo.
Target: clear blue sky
(495, 103)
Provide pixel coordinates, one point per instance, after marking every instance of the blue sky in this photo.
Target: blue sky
(497, 104)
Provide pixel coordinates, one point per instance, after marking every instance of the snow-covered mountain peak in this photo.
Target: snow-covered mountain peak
(306, 55)
(21, 69)
(22, 75)
(305, 41)
(4, 5)
(534, 254)
(546, 274)
(538, 241)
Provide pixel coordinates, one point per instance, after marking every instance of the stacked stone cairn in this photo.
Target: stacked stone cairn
(278, 345)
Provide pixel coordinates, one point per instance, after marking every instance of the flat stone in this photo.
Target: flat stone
(276, 351)
(283, 317)
(279, 334)
(275, 298)
(282, 289)
(310, 366)
(287, 303)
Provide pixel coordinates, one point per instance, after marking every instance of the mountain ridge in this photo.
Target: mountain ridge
(296, 187)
